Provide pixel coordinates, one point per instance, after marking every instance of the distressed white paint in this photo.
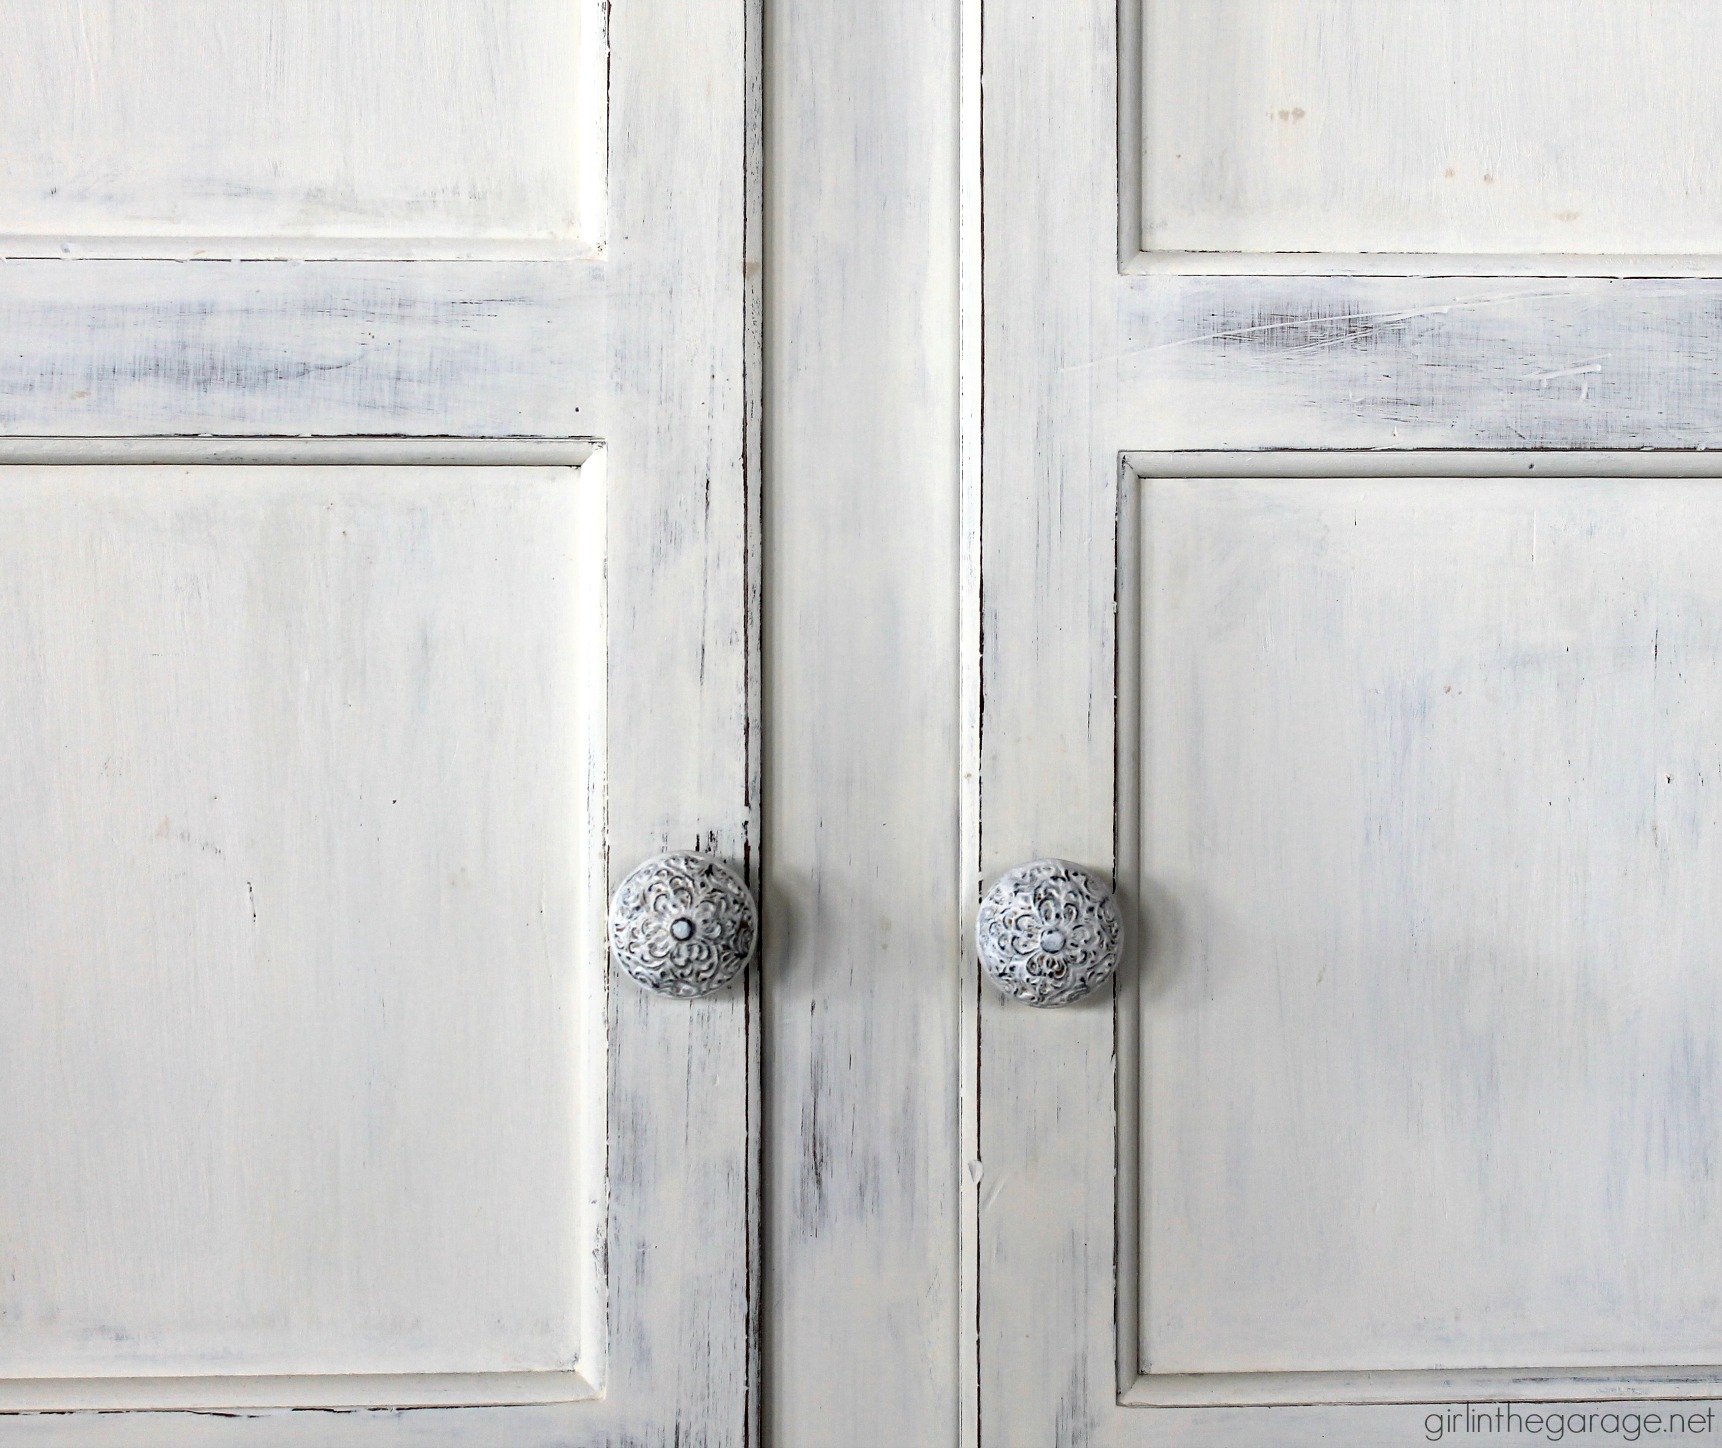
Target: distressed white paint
(1429, 833)
(971, 394)
(1491, 127)
(863, 910)
(1259, 1278)
(399, 119)
(1047, 507)
(649, 353)
(305, 451)
(481, 348)
(1369, 362)
(304, 890)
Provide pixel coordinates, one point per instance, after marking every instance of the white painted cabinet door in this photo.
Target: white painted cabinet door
(377, 587)
(1350, 592)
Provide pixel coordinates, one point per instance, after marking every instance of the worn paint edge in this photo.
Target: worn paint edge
(295, 1390)
(592, 542)
(297, 248)
(1427, 463)
(1421, 1385)
(1127, 1159)
(1131, 185)
(594, 123)
(971, 380)
(299, 451)
(753, 667)
(1422, 264)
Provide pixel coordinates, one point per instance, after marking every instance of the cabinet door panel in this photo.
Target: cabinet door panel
(1426, 830)
(305, 898)
(406, 119)
(1395, 744)
(378, 468)
(1474, 127)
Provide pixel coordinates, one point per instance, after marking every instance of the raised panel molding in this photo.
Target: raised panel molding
(1526, 698)
(285, 121)
(304, 882)
(1542, 136)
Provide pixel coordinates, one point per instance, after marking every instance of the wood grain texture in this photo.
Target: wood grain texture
(304, 887)
(1048, 509)
(652, 351)
(302, 118)
(1432, 362)
(863, 910)
(1083, 363)
(684, 621)
(1471, 127)
(254, 348)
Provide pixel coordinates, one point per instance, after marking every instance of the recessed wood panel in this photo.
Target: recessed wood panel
(1468, 126)
(302, 987)
(1431, 830)
(300, 118)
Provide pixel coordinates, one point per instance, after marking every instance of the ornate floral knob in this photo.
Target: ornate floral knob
(1049, 933)
(683, 924)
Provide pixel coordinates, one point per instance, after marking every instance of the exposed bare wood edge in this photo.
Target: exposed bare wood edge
(593, 1363)
(299, 451)
(1127, 995)
(971, 256)
(1515, 1385)
(753, 614)
(1406, 263)
(298, 248)
(332, 1390)
(1427, 463)
(1131, 182)
(594, 105)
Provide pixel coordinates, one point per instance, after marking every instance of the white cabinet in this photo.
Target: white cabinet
(377, 496)
(1252, 450)
(1333, 609)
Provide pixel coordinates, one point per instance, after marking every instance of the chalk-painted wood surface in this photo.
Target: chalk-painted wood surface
(1371, 362)
(863, 910)
(642, 360)
(277, 120)
(1554, 1003)
(1424, 855)
(304, 898)
(919, 742)
(1492, 127)
(476, 348)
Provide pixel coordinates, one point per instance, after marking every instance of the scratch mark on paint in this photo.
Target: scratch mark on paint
(1583, 370)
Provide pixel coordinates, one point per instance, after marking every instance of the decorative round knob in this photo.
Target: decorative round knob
(683, 924)
(1049, 933)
